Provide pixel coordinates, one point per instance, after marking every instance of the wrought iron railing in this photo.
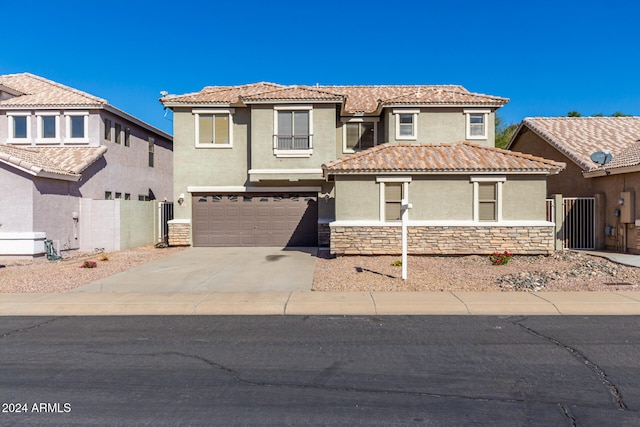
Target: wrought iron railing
(293, 142)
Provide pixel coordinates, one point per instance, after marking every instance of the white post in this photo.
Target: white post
(403, 216)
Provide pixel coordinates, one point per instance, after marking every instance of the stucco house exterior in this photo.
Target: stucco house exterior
(465, 198)
(258, 164)
(59, 147)
(612, 219)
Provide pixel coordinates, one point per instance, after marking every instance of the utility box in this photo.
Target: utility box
(627, 213)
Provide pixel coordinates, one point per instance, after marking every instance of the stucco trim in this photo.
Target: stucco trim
(284, 171)
(242, 189)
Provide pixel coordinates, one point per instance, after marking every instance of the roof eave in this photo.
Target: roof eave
(442, 172)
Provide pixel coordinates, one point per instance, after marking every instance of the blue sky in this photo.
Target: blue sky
(548, 57)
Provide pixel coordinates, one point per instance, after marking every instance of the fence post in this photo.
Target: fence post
(559, 220)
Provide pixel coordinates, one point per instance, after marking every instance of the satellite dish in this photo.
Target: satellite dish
(602, 157)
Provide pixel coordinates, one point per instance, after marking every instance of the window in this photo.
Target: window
(393, 190)
(487, 201)
(76, 126)
(118, 130)
(48, 125)
(118, 195)
(143, 198)
(152, 144)
(392, 201)
(476, 123)
(19, 127)
(487, 195)
(293, 131)
(107, 129)
(214, 128)
(127, 196)
(127, 137)
(406, 124)
(108, 195)
(359, 135)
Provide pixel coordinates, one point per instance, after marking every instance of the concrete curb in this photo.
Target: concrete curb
(321, 303)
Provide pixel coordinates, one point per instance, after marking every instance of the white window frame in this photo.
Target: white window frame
(39, 138)
(345, 121)
(10, 119)
(405, 180)
(67, 130)
(485, 114)
(196, 115)
(414, 136)
(292, 153)
(499, 180)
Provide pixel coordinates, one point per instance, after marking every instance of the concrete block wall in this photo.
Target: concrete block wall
(442, 240)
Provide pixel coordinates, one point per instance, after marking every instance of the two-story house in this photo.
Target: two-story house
(256, 165)
(58, 146)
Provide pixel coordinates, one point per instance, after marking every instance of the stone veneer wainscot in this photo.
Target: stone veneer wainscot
(442, 240)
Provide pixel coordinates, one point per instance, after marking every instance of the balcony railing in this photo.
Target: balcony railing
(293, 142)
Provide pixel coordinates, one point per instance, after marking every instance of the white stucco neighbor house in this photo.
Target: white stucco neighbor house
(60, 147)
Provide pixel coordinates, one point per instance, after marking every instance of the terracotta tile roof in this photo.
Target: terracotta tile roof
(294, 93)
(39, 92)
(579, 137)
(355, 99)
(65, 162)
(440, 158)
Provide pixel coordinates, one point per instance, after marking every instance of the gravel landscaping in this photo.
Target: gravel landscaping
(563, 271)
(41, 275)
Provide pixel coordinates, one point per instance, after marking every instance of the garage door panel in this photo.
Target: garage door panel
(255, 220)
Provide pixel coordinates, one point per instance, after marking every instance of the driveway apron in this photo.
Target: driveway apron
(217, 270)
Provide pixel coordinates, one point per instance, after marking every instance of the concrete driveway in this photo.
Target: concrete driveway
(217, 270)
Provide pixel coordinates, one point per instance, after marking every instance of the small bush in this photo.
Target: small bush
(397, 263)
(89, 264)
(501, 258)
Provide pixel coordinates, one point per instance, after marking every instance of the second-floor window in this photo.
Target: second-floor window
(476, 123)
(48, 127)
(76, 126)
(359, 135)
(214, 128)
(293, 130)
(406, 124)
(19, 127)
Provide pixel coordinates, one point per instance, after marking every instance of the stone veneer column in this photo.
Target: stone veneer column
(180, 232)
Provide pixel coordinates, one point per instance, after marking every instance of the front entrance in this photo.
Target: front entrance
(255, 219)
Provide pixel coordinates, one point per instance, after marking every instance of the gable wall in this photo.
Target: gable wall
(569, 182)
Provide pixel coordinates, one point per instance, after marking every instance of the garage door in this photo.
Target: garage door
(281, 220)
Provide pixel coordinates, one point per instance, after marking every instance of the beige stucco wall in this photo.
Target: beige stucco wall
(523, 198)
(324, 140)
(16, 201)
(357, 198)
(440, 198)
(438, 125)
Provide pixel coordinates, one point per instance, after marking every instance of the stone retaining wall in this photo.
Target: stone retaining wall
(442, 240)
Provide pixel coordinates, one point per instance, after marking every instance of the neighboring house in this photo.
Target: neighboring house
(59, 147)
(606, 215)
(249, 162)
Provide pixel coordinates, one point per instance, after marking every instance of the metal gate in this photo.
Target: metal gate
(165, 214)
(579, 223)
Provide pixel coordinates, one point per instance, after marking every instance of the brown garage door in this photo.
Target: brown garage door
(252, 219)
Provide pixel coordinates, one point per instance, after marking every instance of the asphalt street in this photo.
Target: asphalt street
(328, 370)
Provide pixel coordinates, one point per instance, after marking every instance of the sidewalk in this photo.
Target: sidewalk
(321, 303)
